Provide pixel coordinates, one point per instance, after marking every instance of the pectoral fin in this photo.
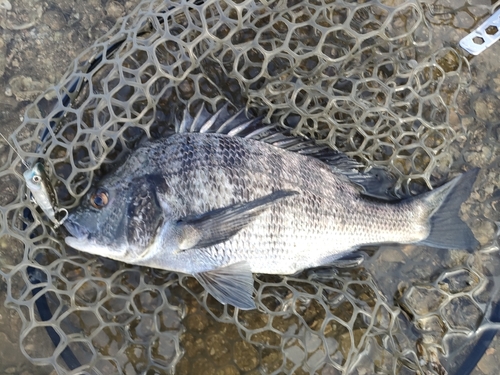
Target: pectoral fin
(219, 225)
(231, 285)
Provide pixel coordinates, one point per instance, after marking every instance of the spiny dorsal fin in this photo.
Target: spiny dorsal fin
(240, 125)
(221, 122)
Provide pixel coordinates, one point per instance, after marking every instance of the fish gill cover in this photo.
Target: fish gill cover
(365, 78)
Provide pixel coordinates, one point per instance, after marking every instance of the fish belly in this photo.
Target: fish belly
(297, 234)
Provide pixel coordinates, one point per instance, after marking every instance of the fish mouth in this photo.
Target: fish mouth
(79, 237)
(76, 230)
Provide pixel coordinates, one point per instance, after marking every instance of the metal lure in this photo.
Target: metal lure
(43, 194)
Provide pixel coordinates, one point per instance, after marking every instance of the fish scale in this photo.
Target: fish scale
(312, 219)
(221, 206)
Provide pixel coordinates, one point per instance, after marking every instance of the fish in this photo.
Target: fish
(225, 196)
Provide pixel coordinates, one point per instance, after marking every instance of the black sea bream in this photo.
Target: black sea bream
(225, 196)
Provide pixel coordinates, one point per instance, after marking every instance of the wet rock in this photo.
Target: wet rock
(227, 370)
(203, 366)
(218, 349)
(3, 58)
(423, 300)
(489, 362)
(114, 9)
(25, 88)
(245, 356)
(486, 107)
(461, 313)
(193, 346)
(54, 19)
(5, 5)
(460, 281)
(484, 231)
(196, 322)
(10, 356)
(433, 327)
(271, 360)
(392, 255)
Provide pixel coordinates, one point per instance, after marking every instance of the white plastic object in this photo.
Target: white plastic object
(484, 36)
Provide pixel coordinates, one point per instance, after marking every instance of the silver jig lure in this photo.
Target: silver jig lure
(42, 192)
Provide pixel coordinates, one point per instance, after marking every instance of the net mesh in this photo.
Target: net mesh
(343, 73)
(364, 78)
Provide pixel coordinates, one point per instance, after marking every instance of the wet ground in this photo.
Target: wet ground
(39, 40)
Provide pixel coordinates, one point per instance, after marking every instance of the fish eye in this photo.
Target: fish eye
(36, 179)
(99, 199)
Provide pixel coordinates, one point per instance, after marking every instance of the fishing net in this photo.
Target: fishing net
(364, 78)
(358, 77)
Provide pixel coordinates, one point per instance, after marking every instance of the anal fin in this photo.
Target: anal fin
(230, 285)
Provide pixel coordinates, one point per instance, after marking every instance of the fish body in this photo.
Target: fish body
(221, 207)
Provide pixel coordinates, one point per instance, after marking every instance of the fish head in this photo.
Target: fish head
(118, 221)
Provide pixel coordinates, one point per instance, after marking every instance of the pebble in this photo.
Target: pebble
(25, 88)
(5, 5)
(203, 366)
(424, 300)
(3, 59)
(486, 107)
(54, 19)
(246, 356)
(484, 232)
(219, 349)
(196, 322)
(228, 370)
(114, 9)
(488, 364)
(392, 255)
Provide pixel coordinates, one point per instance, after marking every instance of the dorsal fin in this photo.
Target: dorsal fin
(221, 122)
(240, 125)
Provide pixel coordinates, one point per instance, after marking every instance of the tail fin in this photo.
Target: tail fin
(447, 230)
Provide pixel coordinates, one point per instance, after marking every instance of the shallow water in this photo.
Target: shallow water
(431, 301)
